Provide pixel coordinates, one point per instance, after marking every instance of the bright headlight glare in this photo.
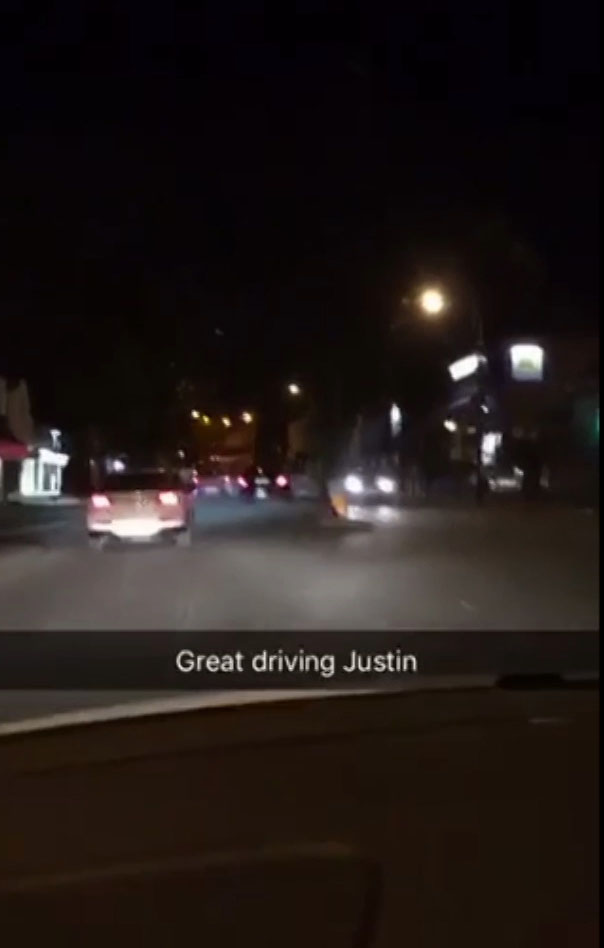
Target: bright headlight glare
(353, 484)
(385, 484)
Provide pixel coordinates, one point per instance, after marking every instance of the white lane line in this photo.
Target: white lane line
(467, 605)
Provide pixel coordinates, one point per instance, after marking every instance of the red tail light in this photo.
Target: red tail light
(281, 480)
(242, 481)
(168, 498)
(100, 502)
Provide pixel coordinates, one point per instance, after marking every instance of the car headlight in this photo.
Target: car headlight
(385, 484)
(353, 484)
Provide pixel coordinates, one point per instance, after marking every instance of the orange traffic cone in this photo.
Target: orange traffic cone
(339, 505)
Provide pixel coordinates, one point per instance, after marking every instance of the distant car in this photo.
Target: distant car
(141, 506)
(212, 482)
(258, 484)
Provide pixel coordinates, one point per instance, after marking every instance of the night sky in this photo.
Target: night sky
(284, 178)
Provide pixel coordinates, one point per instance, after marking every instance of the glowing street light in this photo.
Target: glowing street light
(195, 415)
(247, 418)
(226, 422)
(432, 301)
(294, 389)
(206, 420)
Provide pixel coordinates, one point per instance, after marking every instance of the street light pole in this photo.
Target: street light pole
(480, 395)
(325, 425)
(433, 303)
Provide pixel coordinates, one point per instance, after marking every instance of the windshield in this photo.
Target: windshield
(371, 267)
(299, 395)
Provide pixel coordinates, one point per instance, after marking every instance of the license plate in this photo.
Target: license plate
(260, 492)
(135, 528)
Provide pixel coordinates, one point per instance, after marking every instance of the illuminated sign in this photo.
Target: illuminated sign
(527, 362)
(465, 367)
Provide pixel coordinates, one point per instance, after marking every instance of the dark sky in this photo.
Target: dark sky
(281, 175)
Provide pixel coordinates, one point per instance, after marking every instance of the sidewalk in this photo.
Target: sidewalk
(25, 515)
(64, 500)
(502, 500)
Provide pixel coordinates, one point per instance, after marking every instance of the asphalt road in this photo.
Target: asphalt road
(272, 565)
(275, 566)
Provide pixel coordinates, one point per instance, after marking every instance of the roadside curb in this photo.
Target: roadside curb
(13, 530)
(46, 504)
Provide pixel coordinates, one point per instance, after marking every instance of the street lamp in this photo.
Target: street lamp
(247, 418)
(226, 422)
(195, 415)
(294, 389)
(432, 301)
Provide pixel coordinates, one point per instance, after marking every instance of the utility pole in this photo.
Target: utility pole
(481, 380)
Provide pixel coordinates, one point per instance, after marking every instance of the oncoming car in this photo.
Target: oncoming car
(140, 506)
(366, 486)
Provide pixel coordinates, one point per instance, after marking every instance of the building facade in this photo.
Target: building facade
(536, 406)
(16, 430)
(31, 459)
(41, 473)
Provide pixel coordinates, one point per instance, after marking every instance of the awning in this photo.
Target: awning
(11, 449)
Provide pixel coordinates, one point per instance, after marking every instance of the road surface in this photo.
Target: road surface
(275, 566)
(272, 565)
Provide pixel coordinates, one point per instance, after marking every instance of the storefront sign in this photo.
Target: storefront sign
(463, 368)
(527, 362)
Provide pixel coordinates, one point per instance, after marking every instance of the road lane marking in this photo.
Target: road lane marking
(25, 561)
(467, 605)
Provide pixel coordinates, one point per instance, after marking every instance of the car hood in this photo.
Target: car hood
(95, 707)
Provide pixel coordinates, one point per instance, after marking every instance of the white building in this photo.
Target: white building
(42, 472)
(30, 466)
